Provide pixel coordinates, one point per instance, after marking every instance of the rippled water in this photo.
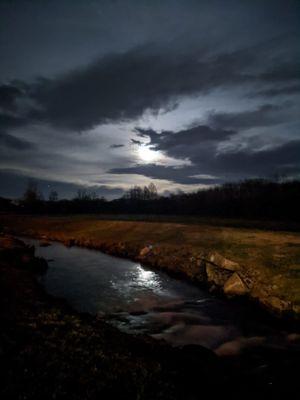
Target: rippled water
(139, 300)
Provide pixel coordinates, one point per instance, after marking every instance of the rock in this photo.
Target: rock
(216, 275)
(275, 304)
(236, 346)
(145, 251)
(296, 310)
(248, 281)
(235, 286)
(222, 262)
(200, 271)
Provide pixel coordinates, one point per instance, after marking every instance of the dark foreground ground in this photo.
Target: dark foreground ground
(49, 351)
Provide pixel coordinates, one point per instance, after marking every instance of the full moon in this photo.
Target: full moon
(147, 154)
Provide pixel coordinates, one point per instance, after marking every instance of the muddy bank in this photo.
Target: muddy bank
(50, 351)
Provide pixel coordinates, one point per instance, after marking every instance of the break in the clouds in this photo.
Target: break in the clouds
(111, 94)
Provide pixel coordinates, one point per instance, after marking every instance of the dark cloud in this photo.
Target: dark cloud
(194, 135)
(9, 121)
(10, 115)
(265, 115)
(209, 164)
(122, 87)
(286, 72)
(135, 141)
(190, 143)
(116, 146)
(221, 167)
(279, 91)
(8, 96)
(183, 175)
(15, 143)
(68, 68)
(260, 163)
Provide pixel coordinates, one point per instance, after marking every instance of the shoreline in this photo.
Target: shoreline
(250, 305)
(274, 311)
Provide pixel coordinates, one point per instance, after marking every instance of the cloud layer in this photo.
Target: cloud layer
(216, 99)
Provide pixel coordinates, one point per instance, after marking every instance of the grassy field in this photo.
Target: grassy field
(272, 257)
(292, 226)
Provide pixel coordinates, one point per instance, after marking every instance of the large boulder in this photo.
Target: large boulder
(235, 286)
(222, 262)
(216, 275)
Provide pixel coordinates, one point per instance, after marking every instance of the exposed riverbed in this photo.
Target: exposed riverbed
(139, 300)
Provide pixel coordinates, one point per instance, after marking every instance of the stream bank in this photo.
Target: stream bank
(208, 269)
(246, 264)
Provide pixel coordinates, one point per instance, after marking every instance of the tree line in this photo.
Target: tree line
(251, 199)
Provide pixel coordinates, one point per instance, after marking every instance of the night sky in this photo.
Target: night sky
(110, 94)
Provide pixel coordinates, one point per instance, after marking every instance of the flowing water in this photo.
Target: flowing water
(138, 300)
